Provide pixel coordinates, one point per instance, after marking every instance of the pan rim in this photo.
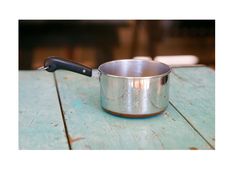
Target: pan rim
(134, 77)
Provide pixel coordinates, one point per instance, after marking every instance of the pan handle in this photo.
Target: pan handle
(54, 63)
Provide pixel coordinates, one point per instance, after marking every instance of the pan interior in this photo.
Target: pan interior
(134, 68)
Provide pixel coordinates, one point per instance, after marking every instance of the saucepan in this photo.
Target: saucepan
(128, 87)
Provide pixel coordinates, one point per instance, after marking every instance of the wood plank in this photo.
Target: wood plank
(192, 92)
(40, 121)
(90, 127)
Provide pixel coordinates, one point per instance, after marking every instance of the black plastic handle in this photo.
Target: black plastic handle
(54, 63)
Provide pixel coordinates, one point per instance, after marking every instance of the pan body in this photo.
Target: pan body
(134, 88)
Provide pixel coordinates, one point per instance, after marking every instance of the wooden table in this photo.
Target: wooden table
(57, 111)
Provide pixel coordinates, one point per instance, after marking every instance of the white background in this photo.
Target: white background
(220, 161)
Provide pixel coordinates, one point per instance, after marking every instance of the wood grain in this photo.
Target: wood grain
(91, 128)
(192, 92)
(40, 121)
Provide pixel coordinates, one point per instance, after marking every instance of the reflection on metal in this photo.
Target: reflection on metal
(135, 97)
(140, 84)
(43, 68)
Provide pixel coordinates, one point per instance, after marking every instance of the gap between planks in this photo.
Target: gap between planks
(66, 129)
(62, 114)
(192, 126)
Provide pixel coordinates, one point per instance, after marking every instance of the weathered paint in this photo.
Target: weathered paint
(41, 125)
(40, 121)
(192, 92)
(91, 128)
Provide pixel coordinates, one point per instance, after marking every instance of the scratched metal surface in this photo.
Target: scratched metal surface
(40, 121)
(90, 127)
(192, 92)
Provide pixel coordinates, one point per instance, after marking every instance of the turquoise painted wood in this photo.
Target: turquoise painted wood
(40, 121)
(192, 92)
(91, 128)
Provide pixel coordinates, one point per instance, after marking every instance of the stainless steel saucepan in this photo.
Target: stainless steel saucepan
(129, 87)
